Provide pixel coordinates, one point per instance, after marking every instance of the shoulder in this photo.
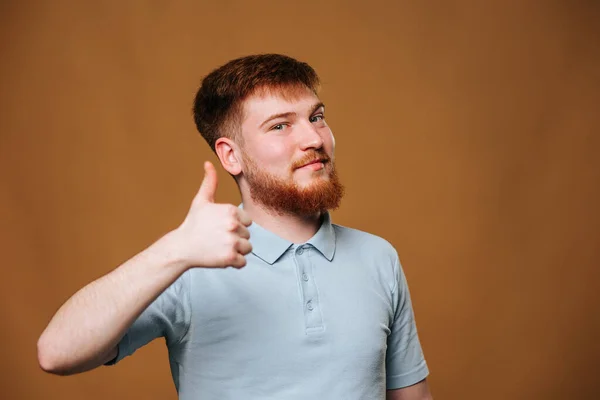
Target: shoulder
(371, 252)
(355, 239)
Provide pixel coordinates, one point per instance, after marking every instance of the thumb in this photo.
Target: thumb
(208, 188)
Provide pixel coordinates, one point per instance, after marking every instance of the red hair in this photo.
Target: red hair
(218, 103)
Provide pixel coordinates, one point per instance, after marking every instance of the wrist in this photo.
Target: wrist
(169, 249)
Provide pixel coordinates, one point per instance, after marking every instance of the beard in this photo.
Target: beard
(287, 197)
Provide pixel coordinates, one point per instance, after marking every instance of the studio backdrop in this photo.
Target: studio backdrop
(467, 135)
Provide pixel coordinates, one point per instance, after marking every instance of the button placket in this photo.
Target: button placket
(312, 315)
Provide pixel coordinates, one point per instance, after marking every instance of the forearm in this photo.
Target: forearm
(86, 329)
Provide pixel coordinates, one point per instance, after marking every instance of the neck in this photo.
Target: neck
(292, 227)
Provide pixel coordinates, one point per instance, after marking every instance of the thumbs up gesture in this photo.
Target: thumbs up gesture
(213, 235)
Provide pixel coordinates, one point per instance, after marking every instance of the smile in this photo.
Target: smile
(314, 165)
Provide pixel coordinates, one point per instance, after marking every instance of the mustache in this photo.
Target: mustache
(309, 157)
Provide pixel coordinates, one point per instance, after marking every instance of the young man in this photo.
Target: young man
(309, 310)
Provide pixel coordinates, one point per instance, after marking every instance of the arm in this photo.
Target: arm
(406, 368)
(85, 331)
(419, 391)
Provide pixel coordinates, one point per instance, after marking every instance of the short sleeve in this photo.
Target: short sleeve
(405, 362)
(168, 316)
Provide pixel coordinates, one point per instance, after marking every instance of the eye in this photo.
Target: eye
(278, 127)
(317, 118)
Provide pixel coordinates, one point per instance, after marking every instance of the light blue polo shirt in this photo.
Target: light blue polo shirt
(327, 319)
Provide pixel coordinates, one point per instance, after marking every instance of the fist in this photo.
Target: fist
(213, 235)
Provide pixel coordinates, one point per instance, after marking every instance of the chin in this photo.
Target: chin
(310, 181)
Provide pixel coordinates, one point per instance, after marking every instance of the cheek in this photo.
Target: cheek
(328, 140)
(273, 155)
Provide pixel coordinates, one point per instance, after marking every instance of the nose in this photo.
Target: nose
(310, 137)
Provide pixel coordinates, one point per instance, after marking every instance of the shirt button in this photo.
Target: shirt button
(304, 277)
(300, 250)
(309, 305)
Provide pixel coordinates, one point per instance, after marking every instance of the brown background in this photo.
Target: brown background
(468, 136)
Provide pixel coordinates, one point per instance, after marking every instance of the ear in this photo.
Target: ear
(228, 151)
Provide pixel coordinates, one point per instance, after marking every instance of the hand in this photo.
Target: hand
(213, 235)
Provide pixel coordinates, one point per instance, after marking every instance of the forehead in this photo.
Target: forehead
(267, 102)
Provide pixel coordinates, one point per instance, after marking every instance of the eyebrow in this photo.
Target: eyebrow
(289, 114)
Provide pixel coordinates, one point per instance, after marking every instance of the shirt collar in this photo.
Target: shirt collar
(324, 239)
(269, 247)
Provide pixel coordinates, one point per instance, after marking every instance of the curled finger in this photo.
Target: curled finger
(243, 246)
(244, 217)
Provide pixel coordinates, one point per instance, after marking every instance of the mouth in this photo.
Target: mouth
(314, 164)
